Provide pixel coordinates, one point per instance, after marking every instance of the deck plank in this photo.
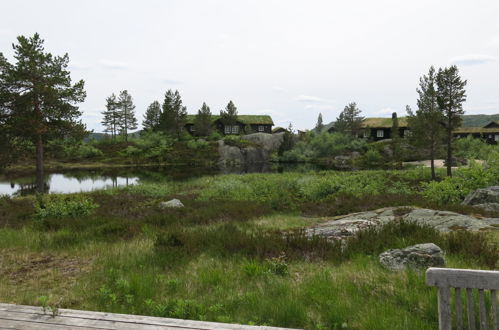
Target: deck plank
(22, 316)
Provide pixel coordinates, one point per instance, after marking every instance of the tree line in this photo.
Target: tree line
(169, 117)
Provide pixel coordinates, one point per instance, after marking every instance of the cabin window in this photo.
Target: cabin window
(227, 129)
(496, 137)
(193, 129)
(366, 134)
(261, 128)
(380, 133)
(235, 129)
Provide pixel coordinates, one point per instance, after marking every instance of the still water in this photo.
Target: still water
(72, 181)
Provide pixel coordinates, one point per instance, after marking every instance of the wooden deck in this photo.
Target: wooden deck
(31, 317)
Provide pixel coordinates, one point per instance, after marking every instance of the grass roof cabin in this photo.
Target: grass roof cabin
(244, 124)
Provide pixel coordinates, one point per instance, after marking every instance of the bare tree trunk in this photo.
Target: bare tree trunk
(432, 163)
(39, 165)
(449, 152)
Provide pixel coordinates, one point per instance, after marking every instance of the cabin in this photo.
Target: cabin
(279, 130)
(489, 133)
(244, 124)
(377, 129)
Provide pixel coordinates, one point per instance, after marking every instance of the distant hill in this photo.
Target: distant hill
(468, 120)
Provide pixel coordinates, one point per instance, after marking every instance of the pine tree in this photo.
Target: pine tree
(111, 116)
(426, 129)
(450, 96)
(319, 126)
(229, 116)
(202, 122)
(173, 116)
(126, 110)
(151, 117)
(349, 121)
(38, 99)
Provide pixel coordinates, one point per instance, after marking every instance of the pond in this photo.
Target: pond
(78, 180)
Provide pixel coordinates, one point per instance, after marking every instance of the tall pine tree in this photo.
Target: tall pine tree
(425, 125)
(229, 116)
(174, 114)
(111, 115)
(320, 125)
(450, 96)
(349, 121)
(151, 117)
(38, 98)
(126, 110)
(203, 122)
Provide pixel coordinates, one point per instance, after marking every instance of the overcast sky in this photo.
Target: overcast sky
(288, 59)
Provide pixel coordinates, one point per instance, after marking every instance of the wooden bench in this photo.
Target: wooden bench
(31, 317)
(465, 280)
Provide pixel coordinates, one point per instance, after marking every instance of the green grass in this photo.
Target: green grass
(235, 253)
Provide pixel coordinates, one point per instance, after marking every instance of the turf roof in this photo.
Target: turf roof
(383, 122)
(245, 119)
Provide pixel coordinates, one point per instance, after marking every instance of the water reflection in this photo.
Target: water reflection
(72, 181)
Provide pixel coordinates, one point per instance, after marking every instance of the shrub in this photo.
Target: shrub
(197, 144)
(59, 206)
(153, 146)
(473, 148)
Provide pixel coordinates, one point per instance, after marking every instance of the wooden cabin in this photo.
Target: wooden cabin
(488, 133)
(245, 124)
(377, 129)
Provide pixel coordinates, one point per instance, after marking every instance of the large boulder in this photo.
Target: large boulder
(265, 144)
(343, 227)
(483, 196)
(268, 142)
(415, 256)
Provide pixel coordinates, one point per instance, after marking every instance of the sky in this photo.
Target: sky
(288, 59)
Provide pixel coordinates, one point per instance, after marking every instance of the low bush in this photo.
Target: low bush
(59, 206)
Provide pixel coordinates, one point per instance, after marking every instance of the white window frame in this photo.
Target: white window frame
(380, 133)
(261, 128)
(193, 128)
(227, 129)
(235, 129)
(496, 138)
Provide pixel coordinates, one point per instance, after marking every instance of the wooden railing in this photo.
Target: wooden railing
(465, 280)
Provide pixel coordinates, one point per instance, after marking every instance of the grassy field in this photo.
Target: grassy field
(237, 251)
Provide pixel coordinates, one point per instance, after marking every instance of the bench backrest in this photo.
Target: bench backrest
(464, 281)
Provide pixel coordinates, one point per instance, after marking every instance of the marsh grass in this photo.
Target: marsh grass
(236, 253)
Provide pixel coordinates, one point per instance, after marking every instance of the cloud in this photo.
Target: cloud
(171, 81)
(473, 59)
(385, 111)
(279, 89)
(112, 64)
(310, 99)
(319, 107)
(74, 65)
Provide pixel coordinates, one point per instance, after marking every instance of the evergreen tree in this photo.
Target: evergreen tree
(37, 98)
(126, 110)
(450, 96)
(426, 130)
(173, 116)
(319, 126)
(229, 116)
(202, 122)
(111, 115)
(349, 121)
(151, 117)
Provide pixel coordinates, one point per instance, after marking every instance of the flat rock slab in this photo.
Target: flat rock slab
(31, 317)
(415, 256)
(342, 227)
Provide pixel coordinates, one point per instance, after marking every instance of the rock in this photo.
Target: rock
(415, 256)
(173, 203)
(269, 142)
(342, 227)
(489, 207)
(483, 196)
(266, 145)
